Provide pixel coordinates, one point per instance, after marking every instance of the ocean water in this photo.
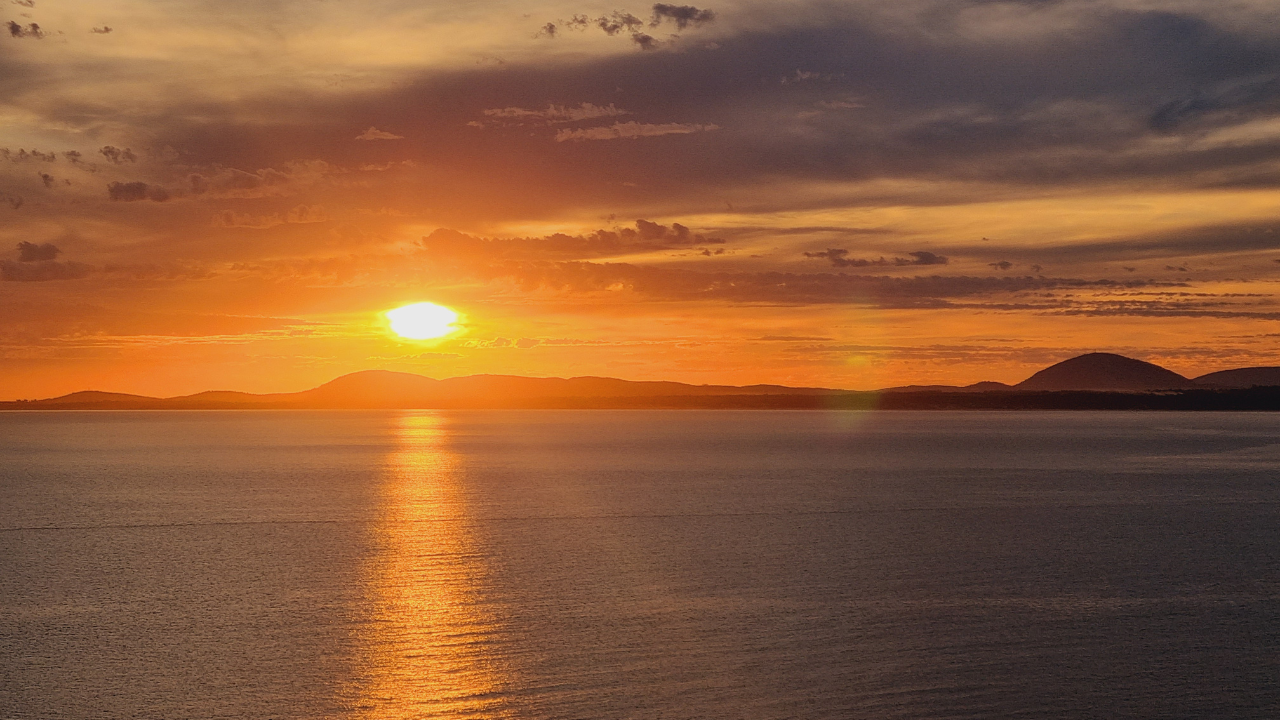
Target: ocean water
(639, 564)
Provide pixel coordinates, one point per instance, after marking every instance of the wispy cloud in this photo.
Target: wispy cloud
(839, 257)
(553, 114)
(374, 133)
(631, 130)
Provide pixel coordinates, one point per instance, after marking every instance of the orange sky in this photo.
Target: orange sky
(228, 196)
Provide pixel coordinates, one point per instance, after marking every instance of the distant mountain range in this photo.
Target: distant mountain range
(1095, 380)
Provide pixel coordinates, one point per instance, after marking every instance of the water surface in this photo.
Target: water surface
(639, 564)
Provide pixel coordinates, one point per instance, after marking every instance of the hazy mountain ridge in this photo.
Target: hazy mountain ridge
(1079, 377)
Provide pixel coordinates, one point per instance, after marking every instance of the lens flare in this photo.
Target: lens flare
(422, 321)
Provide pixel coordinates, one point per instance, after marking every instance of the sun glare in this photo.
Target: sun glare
(422, 321)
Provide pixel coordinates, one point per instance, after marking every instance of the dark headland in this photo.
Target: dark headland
(1096, 381)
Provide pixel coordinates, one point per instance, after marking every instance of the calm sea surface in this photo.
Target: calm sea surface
(639, 564)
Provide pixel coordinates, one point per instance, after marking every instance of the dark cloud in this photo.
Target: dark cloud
(533, 264)
(23, 155)
(1165, 246)
(645, 41)
(1252, 96)
(31, 252)
(42, 271)
(47, 179)
(647, 236)
(101, 30)
(806, 230)
(922, 258)
(117, 156)
(1001, 265)
(134, 191)
(682, 15)
(1069, 104)
(32, 31)
(839, 258)
(617, 22)
(665, 283)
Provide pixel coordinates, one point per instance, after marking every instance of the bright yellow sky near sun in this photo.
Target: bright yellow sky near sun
(241, 195)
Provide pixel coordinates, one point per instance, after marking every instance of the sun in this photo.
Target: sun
(422, 321)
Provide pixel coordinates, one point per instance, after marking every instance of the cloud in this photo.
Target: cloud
(32, 31)
(24, 155)
(235, 183)
(101, 30)
(645, 41)
(134, 191)
(1001, 265)
(646, 236)
(620, 22)
(300, 215)
(617, 22)
(921, 257)
(374, 133)
(116, 156)
(682, 15)
(839, 258)
(1237, 96)
(943, 107)
(47, 179)
(554, 114)
(1165, 246)
(560, 264)
(631, 130)
(667, 283)
(43, 270)
(31, 252)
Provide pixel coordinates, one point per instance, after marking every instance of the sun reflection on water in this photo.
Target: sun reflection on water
(428, 643)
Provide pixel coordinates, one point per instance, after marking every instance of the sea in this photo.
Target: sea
(639, 564)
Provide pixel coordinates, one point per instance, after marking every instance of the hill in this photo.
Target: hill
(1241, 378)
(1105, 372)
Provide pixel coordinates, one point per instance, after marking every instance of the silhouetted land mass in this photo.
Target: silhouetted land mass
(1097, 381)
(1242, 377)
(1105, 372)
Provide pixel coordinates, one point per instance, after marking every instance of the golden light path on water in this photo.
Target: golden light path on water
(427, 647)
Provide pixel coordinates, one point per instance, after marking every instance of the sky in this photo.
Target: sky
(203, 195)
